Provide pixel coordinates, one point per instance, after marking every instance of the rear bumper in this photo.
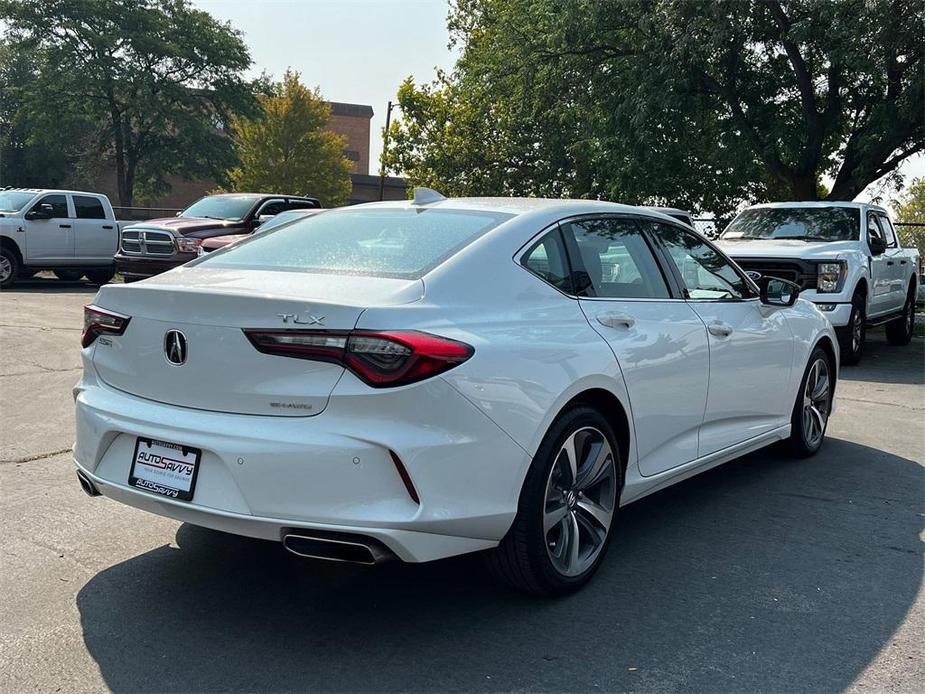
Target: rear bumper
(262, 475)
(138, 267)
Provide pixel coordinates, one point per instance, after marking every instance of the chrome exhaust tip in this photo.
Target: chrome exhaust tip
(87, 484)
(349, 548)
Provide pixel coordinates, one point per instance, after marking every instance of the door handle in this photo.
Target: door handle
(902, 262)
(889, 262)
(107, 226)
(719, 329)
(616, 320)
(65, 226)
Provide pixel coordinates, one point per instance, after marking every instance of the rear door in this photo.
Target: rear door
(751, 345)
(658, 340)
(95, 237)
(50, 240)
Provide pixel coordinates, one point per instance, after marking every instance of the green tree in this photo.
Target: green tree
(910, 207)
(149, 83)
(289, 147)
(700, 103)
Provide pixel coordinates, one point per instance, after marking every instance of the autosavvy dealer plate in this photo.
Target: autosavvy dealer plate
(164, 468)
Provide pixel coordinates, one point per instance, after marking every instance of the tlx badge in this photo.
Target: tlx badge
(304, 318)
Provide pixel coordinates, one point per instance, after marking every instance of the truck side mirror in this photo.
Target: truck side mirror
(876, 244)
(41, 211)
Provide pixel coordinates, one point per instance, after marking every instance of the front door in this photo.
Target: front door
(881, 280)
(50, 239)
(658, 340)
(896, 265)
(751, 346)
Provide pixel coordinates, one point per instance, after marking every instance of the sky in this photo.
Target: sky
(360, 51)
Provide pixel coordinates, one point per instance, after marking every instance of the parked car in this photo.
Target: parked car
(70, 232)
(846, 257)
(215, 242)
(489, 388)
(149, 248)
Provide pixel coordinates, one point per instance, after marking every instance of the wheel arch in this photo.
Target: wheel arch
(613, 410)
(11, 245)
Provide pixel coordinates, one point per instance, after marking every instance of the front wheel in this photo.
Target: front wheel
(814, 404)
(9, 268)
(100, 276)
(852, 337)
(567, 508)
(899, 332)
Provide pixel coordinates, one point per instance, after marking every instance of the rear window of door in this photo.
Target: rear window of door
(272, 207)
(704, 272)
(88, 208)
(548, 260)
(617, 258)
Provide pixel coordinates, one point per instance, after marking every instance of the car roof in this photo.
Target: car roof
(819, 204)
(62, 191)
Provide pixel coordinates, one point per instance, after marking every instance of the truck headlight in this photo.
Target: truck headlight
(829, 277)
(189, 245)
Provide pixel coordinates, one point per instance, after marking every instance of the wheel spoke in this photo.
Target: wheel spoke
(553, 517)
(571, 457)
(594, 512)
(574, 544)
(597, 469)
(817, 418)
(821, 388)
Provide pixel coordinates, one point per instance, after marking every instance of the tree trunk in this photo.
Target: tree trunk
(803, 187)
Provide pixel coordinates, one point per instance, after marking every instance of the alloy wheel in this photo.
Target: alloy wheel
(580, 501)
(6, 268)
(857, 327)
(816, 401)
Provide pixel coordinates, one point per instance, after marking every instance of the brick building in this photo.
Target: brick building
(352, 121)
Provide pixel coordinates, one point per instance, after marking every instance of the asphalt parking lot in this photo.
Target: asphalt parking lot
(768, 574)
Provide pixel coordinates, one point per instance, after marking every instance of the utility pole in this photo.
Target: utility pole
(385, 148)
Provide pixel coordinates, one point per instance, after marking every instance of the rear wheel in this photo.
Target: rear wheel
(567, 508)
(100, 276)
(899, 332)
(814, 403)
(851, 338)
(69, 275)
(9, 268)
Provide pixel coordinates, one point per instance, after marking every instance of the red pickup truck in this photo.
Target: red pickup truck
(149, 248)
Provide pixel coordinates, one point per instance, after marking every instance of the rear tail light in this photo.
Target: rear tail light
(381, 359)
(98, 321)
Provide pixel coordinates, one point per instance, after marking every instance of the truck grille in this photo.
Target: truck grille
(800, 273)
(147, 242)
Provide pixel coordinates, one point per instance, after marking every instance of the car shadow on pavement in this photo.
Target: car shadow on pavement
(40, 285)
(883, 363)
(767, 574)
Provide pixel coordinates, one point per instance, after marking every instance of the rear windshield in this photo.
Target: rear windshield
(403, 243)
(800, 223)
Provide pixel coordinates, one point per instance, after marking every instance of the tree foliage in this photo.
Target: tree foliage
(142, 85)
(700, 103)
(289, 147)
(910, 207)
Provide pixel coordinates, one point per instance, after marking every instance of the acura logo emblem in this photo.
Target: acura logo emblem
(175, 347)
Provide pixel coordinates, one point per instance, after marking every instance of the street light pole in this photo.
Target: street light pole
(385, 148)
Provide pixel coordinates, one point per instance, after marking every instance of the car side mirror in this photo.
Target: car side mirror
(778, 292)
(42, 211)
(876, 244)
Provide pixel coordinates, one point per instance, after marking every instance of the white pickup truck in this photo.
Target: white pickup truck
(70, 232)
(846, 257)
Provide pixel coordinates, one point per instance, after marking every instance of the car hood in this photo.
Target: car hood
(185, 226)
(214, 242)
(782, 248)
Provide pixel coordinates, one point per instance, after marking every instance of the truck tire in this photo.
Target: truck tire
(9, 268)
(100, 276)
(68, 275)
(851, 338)
(899, 331)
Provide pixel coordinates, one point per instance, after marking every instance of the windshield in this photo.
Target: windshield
(227, 207)
(280, 219)
(801, 223)
(14, 200)
(380, 242)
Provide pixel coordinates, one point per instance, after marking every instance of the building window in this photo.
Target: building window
(352, 154)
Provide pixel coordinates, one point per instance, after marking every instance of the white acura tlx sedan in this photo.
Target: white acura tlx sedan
(421, 379)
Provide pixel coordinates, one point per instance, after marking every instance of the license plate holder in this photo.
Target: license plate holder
(164, 468)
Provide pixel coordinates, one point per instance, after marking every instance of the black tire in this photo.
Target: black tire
(806, 434)
(899, 331)
(100, 276)
(9, 268)
(523, 559)
(852, 337)
(68, 275)
(129, 280)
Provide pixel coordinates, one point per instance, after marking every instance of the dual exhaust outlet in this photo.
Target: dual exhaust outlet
(354, 549)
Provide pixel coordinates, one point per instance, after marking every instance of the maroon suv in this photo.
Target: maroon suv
(149, 248)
